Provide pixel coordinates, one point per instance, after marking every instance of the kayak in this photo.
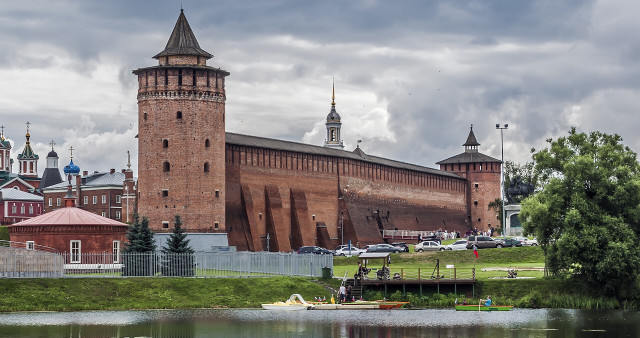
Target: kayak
(483, 308)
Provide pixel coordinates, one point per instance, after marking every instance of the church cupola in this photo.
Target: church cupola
(51, 174)
(5, 152)
(71, 169)
(28, 160)
(471, 146)
(333, 125)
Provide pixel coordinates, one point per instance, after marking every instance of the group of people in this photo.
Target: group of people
(345, 293)
(487, 302)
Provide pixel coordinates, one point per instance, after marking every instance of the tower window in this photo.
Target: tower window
(217, 193)
(180, 77)
(166, 167)
(144, 116)
(207, 143)
(165, 193)
(475, 203)
(206, 167)
(194, 77)
(165, 225)
(179, 115)
(333, 134)
(165, 143)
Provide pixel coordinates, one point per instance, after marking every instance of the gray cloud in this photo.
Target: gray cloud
(410, 77)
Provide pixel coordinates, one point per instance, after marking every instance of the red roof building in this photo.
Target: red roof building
(73, 231)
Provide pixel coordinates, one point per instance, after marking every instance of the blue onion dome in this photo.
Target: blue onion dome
(71, 168)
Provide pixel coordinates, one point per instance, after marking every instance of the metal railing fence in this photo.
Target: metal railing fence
(26, 263)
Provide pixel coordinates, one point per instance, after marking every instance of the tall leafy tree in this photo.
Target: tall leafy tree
(587, 214)
(178, 255)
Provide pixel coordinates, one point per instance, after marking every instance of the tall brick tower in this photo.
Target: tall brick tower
(483, 176)
(181, 136)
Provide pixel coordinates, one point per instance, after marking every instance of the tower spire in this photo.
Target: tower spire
(333, 93)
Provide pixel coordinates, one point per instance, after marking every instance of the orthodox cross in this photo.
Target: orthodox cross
(2, 128)
(71, 148)
(28, 126)
(52, 144)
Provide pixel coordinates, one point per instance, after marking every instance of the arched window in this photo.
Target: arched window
(179, 115)
(165, 143)
(144, 116)
(166, 167)
(207, 143)
(206, 167)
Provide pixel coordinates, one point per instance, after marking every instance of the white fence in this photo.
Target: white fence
(17, 263)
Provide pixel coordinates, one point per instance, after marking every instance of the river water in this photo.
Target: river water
(342, 323)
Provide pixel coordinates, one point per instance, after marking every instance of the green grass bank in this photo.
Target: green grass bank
(73, 294)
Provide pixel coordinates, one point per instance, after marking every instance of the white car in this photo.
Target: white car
(344, 251)
(429, 246)
(527, 242)
(458, 245)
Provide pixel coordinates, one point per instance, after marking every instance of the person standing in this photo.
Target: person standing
(342, 293)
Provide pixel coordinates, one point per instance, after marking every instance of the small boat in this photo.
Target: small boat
(483, 308)
(290, 304)
(386, 305)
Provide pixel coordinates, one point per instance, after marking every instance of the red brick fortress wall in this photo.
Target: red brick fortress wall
(292, 195)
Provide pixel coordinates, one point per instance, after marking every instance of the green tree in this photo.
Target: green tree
(587, 215)
(139, 257)
(526, 172)
(178, 255)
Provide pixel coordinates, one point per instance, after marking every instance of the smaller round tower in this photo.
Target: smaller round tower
(333, 125)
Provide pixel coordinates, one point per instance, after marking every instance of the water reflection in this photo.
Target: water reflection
(353, 323)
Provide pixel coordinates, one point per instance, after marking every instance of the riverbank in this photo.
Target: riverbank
(77, 294)
(73, 294)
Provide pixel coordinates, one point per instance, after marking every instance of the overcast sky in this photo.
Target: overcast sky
(410, 76)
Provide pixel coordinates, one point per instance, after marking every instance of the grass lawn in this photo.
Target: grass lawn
(520, 257)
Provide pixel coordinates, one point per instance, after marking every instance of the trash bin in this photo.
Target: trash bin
(326, 272)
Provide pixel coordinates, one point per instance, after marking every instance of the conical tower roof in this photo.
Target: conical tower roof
(471, 139)
(183, 41)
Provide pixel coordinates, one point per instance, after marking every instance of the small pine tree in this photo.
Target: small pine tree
(177, 242)
(178, 255)
(139, 258)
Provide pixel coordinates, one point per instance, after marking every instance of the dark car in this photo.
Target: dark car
(401, 245)
(314, 250)
(385, 248)
(512, 242)
(483, 242)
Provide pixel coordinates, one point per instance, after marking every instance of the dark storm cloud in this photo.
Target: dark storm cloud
(410, 76)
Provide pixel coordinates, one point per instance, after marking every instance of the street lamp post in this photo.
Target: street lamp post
(504, 225)
(342, 226)
(126, 187)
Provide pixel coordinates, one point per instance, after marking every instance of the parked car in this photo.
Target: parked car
(512, 242)
(432, 238)
(401, 245)
(527, 242)
(314, 250)
(483, 242)
(458, 245)
(348, 252)
(384, 248)
(429, 246)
